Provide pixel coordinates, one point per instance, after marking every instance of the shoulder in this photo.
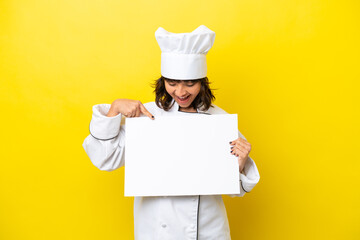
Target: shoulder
(216, 110)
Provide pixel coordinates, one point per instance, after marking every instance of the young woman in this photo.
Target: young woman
(179, 91)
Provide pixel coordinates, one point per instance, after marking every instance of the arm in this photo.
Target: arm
(105, 144)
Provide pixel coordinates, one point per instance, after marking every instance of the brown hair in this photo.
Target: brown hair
(203, 99)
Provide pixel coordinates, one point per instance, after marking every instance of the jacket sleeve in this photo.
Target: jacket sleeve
(250, 178)
(105, 145)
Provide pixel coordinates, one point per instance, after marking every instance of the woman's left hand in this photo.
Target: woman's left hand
(241, 149)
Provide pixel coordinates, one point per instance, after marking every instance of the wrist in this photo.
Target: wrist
(112, 112)
(114, 108)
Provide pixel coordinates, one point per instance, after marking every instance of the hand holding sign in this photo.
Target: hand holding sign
(241, 148)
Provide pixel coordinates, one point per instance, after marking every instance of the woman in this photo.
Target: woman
(183, 88)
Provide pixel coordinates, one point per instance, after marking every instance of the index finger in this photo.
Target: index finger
(146, 112)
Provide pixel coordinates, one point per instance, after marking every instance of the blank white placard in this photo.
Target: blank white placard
(181, 155)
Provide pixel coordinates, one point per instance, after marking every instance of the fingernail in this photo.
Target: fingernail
(230, 142)
(231, 151)
(232, 147)
(152, 117)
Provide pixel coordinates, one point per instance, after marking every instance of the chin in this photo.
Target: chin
(184, 106)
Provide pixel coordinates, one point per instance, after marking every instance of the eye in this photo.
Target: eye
(190, 83)
(171, 83)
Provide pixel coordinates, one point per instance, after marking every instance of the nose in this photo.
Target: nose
(180, 90)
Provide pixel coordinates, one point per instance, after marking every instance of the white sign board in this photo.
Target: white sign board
(181, 155)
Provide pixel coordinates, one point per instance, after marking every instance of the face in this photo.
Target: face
(183, 91)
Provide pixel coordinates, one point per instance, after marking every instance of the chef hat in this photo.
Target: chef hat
(183, 55)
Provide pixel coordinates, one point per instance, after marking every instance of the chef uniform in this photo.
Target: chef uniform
(173, 217)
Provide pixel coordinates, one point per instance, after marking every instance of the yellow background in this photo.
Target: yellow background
(289, 68)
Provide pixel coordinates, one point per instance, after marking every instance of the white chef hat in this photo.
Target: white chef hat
(183, 55)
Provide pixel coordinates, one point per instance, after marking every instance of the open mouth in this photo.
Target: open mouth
(183, 99)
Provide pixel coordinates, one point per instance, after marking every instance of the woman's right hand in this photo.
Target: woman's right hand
(129, 108)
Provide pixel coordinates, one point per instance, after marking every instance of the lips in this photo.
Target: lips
(183, 99)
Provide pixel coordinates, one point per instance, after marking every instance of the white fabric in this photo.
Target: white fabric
(183, 55)
(157, 218)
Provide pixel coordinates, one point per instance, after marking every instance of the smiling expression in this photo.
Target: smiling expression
(183, 91)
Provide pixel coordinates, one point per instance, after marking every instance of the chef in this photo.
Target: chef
(183, 88)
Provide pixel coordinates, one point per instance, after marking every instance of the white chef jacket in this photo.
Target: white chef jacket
(163, 218)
